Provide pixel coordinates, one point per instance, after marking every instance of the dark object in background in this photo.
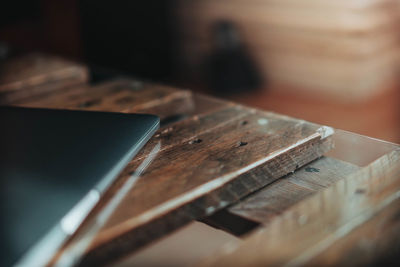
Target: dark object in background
(131, 37)
(230, 69)
(113, 37)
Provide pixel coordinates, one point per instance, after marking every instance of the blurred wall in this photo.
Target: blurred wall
(345, 49)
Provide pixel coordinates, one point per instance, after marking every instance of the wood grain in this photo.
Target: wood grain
(221, 155)
(277, 197)
(37, 74)
(123, 95)
(217, 159)
(374, 243)
(313, 226)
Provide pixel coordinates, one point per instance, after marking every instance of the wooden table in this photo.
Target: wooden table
(294, 192)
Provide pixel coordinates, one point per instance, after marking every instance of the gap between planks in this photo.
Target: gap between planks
(306, 232)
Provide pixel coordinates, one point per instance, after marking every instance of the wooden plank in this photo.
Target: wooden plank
(277, 197)
(203, 171)
(375, 243)
(186, 130)
(36, 74)
(123, 95)
(312, 226)
(183, 248)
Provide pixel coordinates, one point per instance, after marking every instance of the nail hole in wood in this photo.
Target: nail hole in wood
(195, 141)
(244, 122)
(241, 143)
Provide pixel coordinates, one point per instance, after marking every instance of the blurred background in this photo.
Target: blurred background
(331, 62)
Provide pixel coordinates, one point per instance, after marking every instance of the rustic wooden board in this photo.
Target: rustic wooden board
(36, 74)
(185, 247)
(123, 95)
(204, 164)
(220, 155)
(277, 197)
(305, 233)
(375, 243)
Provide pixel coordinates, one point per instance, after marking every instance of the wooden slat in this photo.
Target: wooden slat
(313, 226)
(375, 243)
(36, 74)
(205, 163)
(187, 130)
(182, 248)
(122, 95)
(274, 199)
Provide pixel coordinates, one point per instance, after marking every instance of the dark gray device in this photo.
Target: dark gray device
(54, 167)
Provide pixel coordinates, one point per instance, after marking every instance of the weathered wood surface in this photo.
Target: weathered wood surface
(277, 197)
(122, 95)
(205, 163)
(36, 74)
(374, 243)
(317, 230)
(221, 153)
